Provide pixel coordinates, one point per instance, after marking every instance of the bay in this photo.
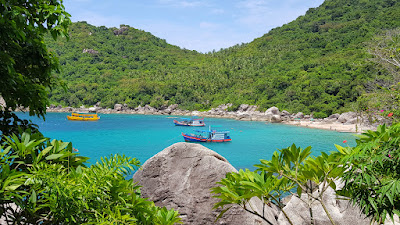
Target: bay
(143, 136)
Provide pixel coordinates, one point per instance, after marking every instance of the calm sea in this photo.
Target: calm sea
(142, 136)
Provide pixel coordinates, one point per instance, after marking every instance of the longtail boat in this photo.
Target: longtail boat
(83, 116)
(193, 122)
(207, 136)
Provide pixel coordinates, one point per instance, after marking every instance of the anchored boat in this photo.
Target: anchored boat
(83, 116)
(193, 122)
(207, 136)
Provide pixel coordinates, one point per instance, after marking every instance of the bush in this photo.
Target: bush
(319, 115)
(50, 184)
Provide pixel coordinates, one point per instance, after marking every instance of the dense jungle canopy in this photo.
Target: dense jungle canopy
(318, 63)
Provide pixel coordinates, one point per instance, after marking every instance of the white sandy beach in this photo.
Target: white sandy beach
(335, 126)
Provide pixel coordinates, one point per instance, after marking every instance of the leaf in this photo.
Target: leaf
(33, 197)
(54, 156)
(12, 187)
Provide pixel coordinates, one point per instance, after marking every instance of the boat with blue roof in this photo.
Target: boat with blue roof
(192, 122)
(207, 136)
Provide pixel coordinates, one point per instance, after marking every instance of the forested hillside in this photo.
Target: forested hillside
(317, 63)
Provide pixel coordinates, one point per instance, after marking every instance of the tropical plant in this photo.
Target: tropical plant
(291, 171)
(372, 177)
(46, 182)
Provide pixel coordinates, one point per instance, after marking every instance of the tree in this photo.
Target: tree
(26, 65)
(386, 49)
(383, 97)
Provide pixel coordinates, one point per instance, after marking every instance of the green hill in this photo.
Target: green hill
(317, 63)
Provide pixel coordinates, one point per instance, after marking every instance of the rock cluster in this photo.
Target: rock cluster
(120, 30)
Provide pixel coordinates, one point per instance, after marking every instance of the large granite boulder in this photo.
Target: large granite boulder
(181, 177)
(299, 115)
(347, 116)
(275, 119)
(272, 111)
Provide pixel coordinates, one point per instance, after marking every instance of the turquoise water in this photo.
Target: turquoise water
(142, 136)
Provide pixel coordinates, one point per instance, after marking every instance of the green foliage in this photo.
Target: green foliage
(50, 184)
(372, 177)
(291, 168)
(316, 63)
(25, 64)
(382, 101)
(320, 115)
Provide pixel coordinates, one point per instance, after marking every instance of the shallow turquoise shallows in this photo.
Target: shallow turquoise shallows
(142, 136)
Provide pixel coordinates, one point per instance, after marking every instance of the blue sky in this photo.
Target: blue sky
(201, 25)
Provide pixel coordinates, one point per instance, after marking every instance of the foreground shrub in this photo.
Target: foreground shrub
(50, 184)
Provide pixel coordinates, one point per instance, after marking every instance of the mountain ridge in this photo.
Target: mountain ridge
(316, 63)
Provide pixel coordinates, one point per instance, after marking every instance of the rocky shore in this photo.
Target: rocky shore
(345, 122)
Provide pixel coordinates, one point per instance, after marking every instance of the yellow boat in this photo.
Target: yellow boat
(83, 116)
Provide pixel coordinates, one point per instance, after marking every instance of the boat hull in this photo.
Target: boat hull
(178, 123)
(190, 138)
(74, 118)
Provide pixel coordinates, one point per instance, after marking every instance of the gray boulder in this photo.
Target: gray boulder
(341, 211)
(276, 119)
(121, 30)
(299, 115)
(347, 116)
(352, 121)
(272, 111)
(285, 113)
(243, 107)
(118, 107)
(181, 177)
(334, 116)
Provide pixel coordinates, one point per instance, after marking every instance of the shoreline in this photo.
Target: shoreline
(338, 127)
(244, 113)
